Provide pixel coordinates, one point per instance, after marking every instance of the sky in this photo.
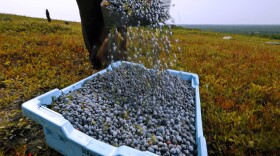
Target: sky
(182, 11)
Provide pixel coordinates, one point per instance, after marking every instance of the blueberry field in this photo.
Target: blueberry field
(239, 83)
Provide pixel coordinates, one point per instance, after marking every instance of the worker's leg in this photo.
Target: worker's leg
(93, 28)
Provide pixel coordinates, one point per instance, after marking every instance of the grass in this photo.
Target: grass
(239, 83)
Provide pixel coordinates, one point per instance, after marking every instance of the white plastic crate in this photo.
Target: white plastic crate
(64, 138)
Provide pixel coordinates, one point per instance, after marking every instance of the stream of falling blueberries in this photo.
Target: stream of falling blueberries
(149, 110)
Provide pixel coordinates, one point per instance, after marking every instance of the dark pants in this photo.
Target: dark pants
(94, 31)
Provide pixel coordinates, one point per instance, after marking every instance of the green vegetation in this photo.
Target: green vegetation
(271, 36)
(153, 138)
(239, 83)
(139, 129)
(35, 57)
(239, 87)
(266, 30)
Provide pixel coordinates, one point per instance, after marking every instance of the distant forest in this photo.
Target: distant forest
(267, 31)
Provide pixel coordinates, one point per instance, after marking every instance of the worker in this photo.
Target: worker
(95, 33)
